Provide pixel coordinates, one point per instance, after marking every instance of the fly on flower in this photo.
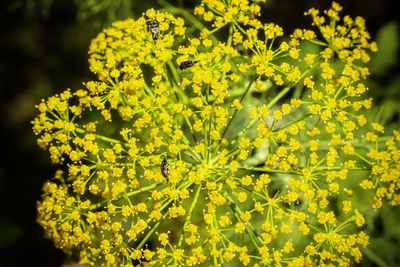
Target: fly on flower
(295, 168)
(154, 30)
(187, 64)
(164, 168)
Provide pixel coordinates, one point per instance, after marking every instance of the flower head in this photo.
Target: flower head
(169, 162)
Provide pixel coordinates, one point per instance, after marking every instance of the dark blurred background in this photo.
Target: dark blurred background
(43, 50)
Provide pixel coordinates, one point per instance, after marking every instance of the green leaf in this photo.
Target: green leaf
(9, 233)
(383, 252)
(388, 41)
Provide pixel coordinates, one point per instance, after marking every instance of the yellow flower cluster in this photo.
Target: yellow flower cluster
(384, 178)
(234, 12)
(169, 163)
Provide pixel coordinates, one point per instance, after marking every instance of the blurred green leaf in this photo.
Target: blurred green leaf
(32, 8)
(383, 252)
(391, 217)
(9, 234)
(375, 258)
(104, 12)
(386, 57)
(387, 98)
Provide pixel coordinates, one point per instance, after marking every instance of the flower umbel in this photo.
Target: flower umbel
(171, 160)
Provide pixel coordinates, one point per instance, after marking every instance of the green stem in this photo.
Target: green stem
(287, 88)
(154, 228)
(187, 15)
(279, 96)
(175, 74)
(207, 138)
(261, 169)
(234, 114)
(318, 42)
(229, 42)
(148, 235)
(194, 202)
(100, 137)
(343, 225)
(249, 228)
(141, 190)
(341, 168)
(293, 122)
(362, 158)
(355, 142)
(236, 138)
(194, 154)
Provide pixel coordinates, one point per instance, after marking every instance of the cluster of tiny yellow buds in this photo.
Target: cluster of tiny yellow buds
(349, 41)
(172, 158)
(60, 214)
(221, 13)
(384, 179)
(118, 51)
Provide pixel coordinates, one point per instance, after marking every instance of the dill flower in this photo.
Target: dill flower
(167, 163)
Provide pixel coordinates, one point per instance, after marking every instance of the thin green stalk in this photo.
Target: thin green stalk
(229, 42)
(362, 158)
(138, 191)
(148, 235)
(254, 193)
(261, 169)
(343, 225)
(174, 73)
(188, 216)
(341, 168)
(287, 88)
(293, 122)
(195, 155)
(187, 15)
(236, 138)
(279, 96)
(355, 142)
(249, 228)
(154, 228)
(100, 137)
(207, 137)
(234, 114)
(317, 42)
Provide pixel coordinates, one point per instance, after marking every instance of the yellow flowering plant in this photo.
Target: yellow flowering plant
(172, 159)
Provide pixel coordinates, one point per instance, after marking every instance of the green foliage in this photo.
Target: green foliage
(387, 55)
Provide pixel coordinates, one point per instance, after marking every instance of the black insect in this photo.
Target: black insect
(154, 30)
(295, 168)
(187, 64)
(164, 168)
